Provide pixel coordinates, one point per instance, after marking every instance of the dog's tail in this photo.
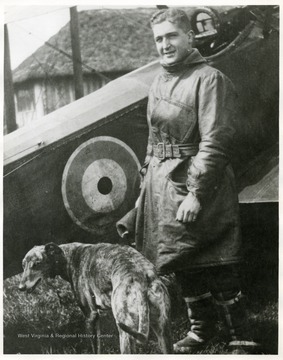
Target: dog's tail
(142, 338)
(141, 334)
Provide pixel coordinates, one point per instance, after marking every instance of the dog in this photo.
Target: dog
(107, 276)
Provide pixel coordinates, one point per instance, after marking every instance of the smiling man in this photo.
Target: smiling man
(187, 212)
(173, 43)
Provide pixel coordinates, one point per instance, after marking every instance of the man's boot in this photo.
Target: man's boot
(236, 320)
(201, 314)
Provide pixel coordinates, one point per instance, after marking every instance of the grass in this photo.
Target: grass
(48, 321)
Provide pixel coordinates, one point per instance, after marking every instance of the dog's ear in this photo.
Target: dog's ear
(55, 258)
(52, 249)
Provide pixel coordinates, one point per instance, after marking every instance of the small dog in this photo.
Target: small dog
(106, 276)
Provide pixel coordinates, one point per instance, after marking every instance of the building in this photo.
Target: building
(113, 43)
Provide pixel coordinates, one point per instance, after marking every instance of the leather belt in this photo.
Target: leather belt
(163, 151)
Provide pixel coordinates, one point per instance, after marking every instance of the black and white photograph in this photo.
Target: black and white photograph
(141, 179)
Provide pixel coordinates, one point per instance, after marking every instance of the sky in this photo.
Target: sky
(29, 27)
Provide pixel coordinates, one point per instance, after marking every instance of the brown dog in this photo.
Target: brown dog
(106, 276)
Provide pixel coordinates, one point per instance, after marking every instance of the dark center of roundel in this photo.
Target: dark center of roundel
(104, 185)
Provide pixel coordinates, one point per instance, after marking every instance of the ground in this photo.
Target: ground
(48, 321)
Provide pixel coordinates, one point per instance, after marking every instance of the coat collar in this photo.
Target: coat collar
(194, 57)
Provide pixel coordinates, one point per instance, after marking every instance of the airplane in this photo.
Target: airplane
(73, 174)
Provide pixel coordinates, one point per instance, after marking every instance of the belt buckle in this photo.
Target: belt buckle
(161, 151)
(169, 151)
(176, 151)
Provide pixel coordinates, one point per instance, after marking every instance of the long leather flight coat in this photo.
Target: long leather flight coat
(190, 104)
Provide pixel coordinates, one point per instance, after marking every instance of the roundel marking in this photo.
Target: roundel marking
(100, 183)
(104, 185)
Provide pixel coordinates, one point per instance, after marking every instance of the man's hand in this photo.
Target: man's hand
(189, 209)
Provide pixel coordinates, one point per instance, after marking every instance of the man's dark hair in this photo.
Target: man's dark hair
(173, 15)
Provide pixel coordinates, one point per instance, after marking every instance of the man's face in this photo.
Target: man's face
(172, 42)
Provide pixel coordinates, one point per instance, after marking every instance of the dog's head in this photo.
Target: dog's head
(39, 263)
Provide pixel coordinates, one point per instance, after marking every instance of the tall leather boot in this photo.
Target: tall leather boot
(201, 312)
(236, 321)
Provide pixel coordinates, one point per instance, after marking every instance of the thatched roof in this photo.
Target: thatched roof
(112, 40)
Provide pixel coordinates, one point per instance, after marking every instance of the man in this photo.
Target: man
(187, 213)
